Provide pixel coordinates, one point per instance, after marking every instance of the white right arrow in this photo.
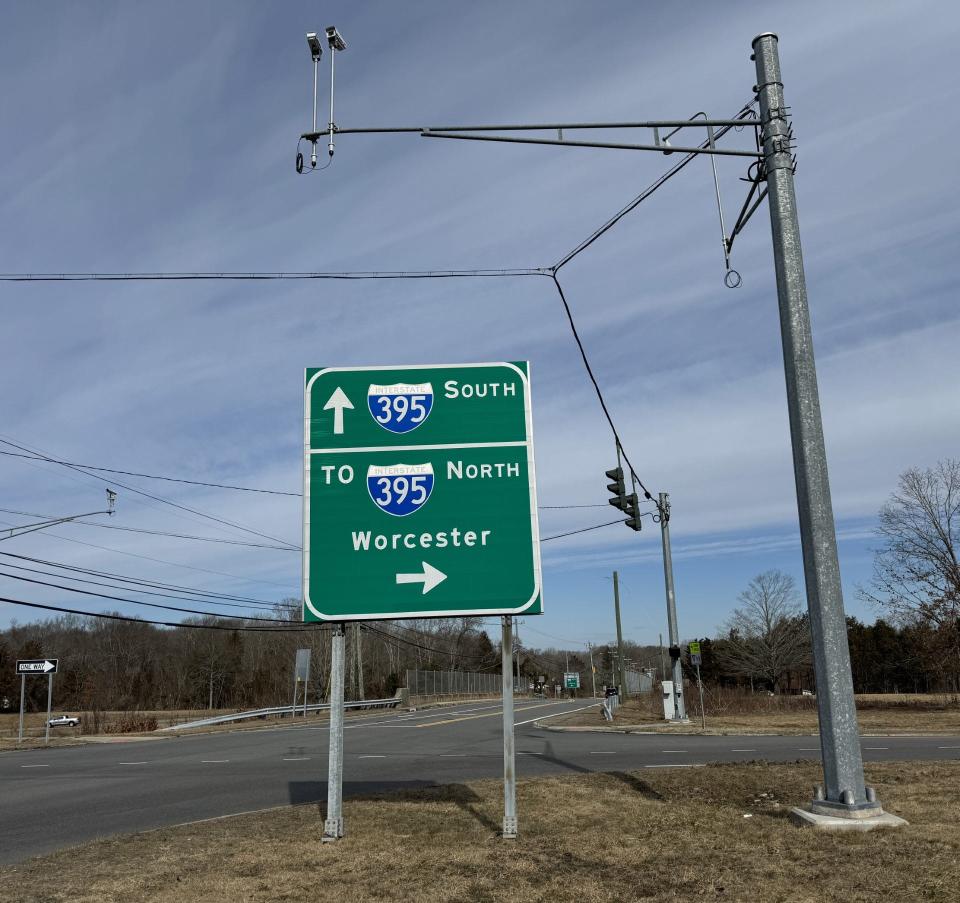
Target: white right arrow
(47, 666)
(338, 401)
(430, 577)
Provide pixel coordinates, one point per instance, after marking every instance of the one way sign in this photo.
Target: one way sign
(38, 665)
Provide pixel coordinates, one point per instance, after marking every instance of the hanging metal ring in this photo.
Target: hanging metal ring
(299, 162)
(732, 279)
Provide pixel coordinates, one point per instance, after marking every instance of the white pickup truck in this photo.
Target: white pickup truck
(64, 721)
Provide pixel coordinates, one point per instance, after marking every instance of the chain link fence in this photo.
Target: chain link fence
(425, 686)
(639, 682)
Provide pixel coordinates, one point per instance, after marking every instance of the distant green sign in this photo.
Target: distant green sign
(694, 648)
(419, 493)
(571, 680)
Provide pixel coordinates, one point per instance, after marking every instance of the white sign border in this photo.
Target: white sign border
(531, 472)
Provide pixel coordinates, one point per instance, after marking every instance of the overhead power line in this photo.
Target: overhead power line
(116, 617)
(176, 564)
(268, 277)
(229, 542)
(86, 592)
(156, 498)
(139, 581)
(609, 523)
(152, 476)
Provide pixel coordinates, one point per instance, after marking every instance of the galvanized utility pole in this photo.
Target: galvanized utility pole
(333, 825)
(679, 708)
(509, 757)
(839, 736)
(622, 674)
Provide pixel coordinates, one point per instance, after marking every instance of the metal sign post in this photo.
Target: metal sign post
(23, 688)
(696, 660)
(46, 738)
(41, 666)
(333, 825)
(301, 675)
(509, 756)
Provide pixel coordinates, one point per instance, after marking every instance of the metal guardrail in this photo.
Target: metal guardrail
(282, 710)
(610, 705)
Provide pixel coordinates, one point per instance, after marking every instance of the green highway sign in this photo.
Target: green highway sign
(694, 648)
(419, 493)
(571, 680)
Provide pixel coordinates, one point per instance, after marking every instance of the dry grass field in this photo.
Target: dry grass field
(742, 714)
(714, 833)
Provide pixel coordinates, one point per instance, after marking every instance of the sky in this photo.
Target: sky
(161, 137)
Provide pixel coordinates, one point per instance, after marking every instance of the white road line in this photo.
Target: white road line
(674, 750)
(371, 757)
(876, 747)
(556, 715)
(601, 752)
(133, 763)
(808, 748)
(742, 750)
(297, 759)
(34, 766)
(455, 755)
(213, 761)
(939, 747)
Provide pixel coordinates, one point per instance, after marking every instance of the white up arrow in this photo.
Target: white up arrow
(338, 401)
(430, 577)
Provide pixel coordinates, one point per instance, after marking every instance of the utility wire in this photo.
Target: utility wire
(229, 542)
(137, 581)
(86, 592)
(164, 595)
(176, 564)
(596, 385)
(609, 523)
(265, 277)
(115, 617)
(151, 476)
(148, 495)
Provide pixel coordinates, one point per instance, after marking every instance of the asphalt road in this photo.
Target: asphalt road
(54, 798)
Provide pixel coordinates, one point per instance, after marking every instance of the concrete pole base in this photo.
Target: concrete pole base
(332, 830)
(509, 828)
(820, 822)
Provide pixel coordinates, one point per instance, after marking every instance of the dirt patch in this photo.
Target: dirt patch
(894, 714)
(718, 833)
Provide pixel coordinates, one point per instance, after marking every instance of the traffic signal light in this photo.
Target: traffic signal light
(617, 488)
(628, 504)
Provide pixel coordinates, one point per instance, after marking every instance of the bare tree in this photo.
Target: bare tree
(916, 575)
(767, 636)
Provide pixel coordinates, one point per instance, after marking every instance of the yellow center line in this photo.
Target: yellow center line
(485, 715)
